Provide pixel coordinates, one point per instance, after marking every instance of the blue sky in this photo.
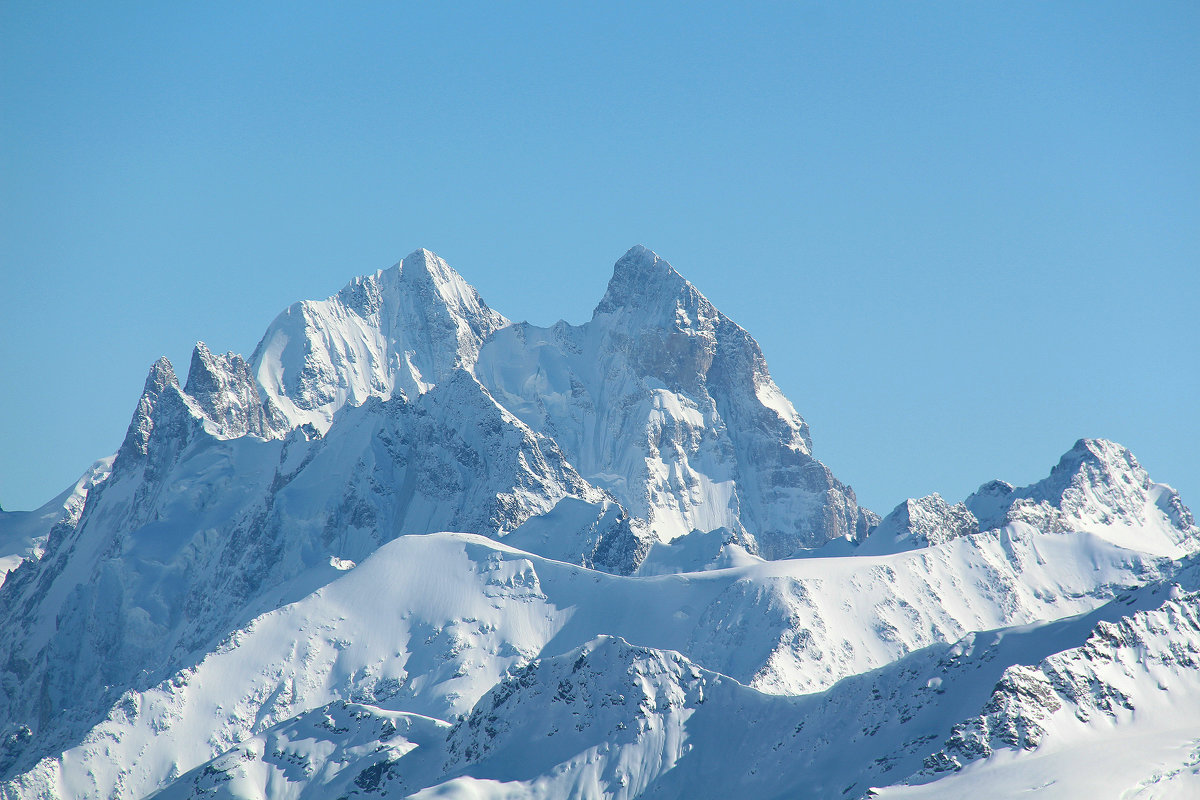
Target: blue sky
(965, 234)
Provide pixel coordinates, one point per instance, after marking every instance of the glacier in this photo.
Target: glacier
(411, 547)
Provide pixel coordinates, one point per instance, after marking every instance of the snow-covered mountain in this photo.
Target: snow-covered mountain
(397, 333)
(665, 402)
(409, 547)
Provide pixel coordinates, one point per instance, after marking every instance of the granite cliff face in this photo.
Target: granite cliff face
(368, 558)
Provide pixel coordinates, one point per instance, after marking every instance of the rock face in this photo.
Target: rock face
(224, 389)
(410, 547)
(666, 403)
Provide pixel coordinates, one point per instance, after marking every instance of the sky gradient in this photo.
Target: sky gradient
(965, 235)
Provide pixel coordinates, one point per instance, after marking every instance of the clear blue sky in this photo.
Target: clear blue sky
(965, 234)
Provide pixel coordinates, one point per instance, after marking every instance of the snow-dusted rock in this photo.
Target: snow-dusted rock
(226, 392)
(1140, 672)
(665, 402)
(920, 523)
(342, 749)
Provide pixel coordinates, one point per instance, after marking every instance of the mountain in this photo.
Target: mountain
(411, 547)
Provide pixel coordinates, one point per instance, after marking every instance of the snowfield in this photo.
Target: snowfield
(409, 548)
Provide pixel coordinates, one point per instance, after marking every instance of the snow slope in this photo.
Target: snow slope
(617, 720)
(429, 624)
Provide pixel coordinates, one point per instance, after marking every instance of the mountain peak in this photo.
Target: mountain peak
(162, 375)
(423, 253)
(396, 332)
(921, 522)
(424, 272)
(640, 279)
(161, 400)
(640, 254)
(1093, 463)
(224, 389)
(1094, 472)
(1097, 485)
(423, 259)
(1099, 452)
(423, 266)
(201, 370)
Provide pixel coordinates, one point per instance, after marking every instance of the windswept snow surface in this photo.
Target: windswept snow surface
(410, 548)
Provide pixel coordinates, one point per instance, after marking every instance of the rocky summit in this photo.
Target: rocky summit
(411, 548)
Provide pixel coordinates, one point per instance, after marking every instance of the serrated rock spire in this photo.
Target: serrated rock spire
(224, 389)
(159, 381)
